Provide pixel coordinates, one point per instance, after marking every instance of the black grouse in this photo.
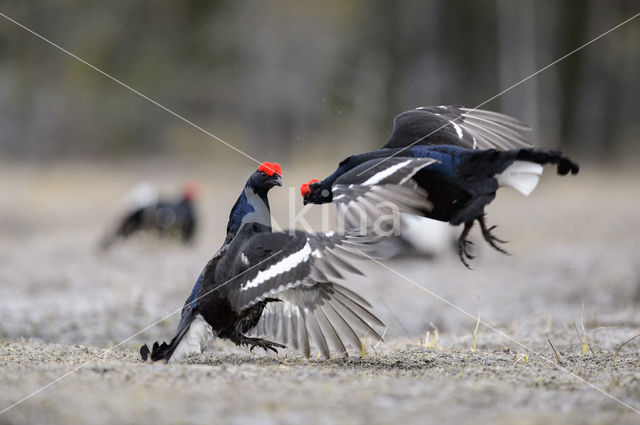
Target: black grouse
(441, 162)
(279, 284)
(167, 218)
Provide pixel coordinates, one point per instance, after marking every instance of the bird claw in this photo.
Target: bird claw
(491, 238)
(463, 251)
(464, 244)
(261, 343)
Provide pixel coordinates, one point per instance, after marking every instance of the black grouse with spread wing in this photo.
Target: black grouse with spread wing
(441, 162)
(278, 284)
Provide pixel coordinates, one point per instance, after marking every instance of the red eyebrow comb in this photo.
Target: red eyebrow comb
(270, 168)
(304, 189)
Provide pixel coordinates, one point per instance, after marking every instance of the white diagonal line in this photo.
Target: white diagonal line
(509, 88)
(499, 332)
(28, 396)
(112, 78)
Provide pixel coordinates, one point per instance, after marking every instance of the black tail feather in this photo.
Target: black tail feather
(144, 352)
(564, 164)
(164, 351)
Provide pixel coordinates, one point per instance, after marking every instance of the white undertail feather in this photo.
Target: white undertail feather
(194, 341)
(141, 196)
(522, 176)
(426, 236)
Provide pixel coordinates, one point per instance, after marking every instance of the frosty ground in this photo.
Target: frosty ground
(572, 281)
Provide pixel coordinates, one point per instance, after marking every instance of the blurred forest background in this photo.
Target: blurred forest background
(289, 79)
(305, 84)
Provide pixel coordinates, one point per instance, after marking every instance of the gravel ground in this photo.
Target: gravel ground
(573, 281)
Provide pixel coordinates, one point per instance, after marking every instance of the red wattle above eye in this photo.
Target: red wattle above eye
(270, 168)
(305, 188)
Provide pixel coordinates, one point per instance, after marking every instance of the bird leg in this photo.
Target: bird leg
(464, 244)
(489, 237)
(257, 342)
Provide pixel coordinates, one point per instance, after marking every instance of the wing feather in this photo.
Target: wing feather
(284, 327)
(303, 334)
(293, 328)
(312, 309)
(358, 310)
(327, 268)
(324, 315)
(348, 293)
(508, 132)
(342, 327)
(487, 134)
(452, 125)
(329, 332)
(342, 263)
(316, 333)
(348, 314)
(380, 189)
(497, 117)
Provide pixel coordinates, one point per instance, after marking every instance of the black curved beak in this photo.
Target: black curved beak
(277, 181)
(305, 201)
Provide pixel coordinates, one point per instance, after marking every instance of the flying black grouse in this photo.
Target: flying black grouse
(166, 218)
(266, 283)
(441, 162)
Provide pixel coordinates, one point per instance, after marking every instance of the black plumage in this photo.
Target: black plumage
(444, 163)
(174, 219)
(280, 284)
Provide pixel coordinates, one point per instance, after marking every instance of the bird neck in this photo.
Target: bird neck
(186, 201)
(251, 207)
(328, 182)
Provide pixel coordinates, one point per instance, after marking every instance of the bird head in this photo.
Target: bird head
(313, 192)
(190, 191)
(268, 175)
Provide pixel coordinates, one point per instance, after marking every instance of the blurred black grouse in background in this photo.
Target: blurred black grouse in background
(276, 284)
(173, 219)
(441, 162)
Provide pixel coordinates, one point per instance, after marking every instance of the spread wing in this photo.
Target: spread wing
(299, 269)
(452, 125)
(327, 315)
(380, 189)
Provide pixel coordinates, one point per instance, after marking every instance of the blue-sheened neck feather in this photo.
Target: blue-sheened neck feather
(251, 207)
